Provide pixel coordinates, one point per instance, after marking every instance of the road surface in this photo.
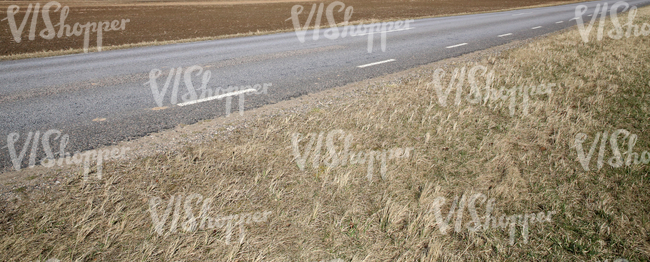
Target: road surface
(101, 98)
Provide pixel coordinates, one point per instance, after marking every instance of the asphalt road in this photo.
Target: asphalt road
(101, 98)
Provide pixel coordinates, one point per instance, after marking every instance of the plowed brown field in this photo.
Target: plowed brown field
(164, 21)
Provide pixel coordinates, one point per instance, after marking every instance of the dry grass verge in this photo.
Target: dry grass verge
(527, 163)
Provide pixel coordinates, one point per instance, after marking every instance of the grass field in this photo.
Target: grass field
(521, 153)
(168, 22)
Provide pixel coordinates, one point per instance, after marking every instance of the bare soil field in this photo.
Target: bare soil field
(171, 21)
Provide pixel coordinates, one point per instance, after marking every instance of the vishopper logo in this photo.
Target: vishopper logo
(616, 160)
(476, 96)
(203, 221)
(334, 33)
(618, 31)
(49, 159)
(206, 93)
(49, 32)
(490, 218)
(333, 159)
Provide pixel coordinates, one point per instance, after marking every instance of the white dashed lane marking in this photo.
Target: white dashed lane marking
(452, 46)
(216, 97)
(376, 63)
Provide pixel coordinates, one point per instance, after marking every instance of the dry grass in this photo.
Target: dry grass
(527, 163)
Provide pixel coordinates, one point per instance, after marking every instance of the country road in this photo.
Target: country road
(101, 98)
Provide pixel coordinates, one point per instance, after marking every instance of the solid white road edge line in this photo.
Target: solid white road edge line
(537, 27)
(389, 31)
(505, 35)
